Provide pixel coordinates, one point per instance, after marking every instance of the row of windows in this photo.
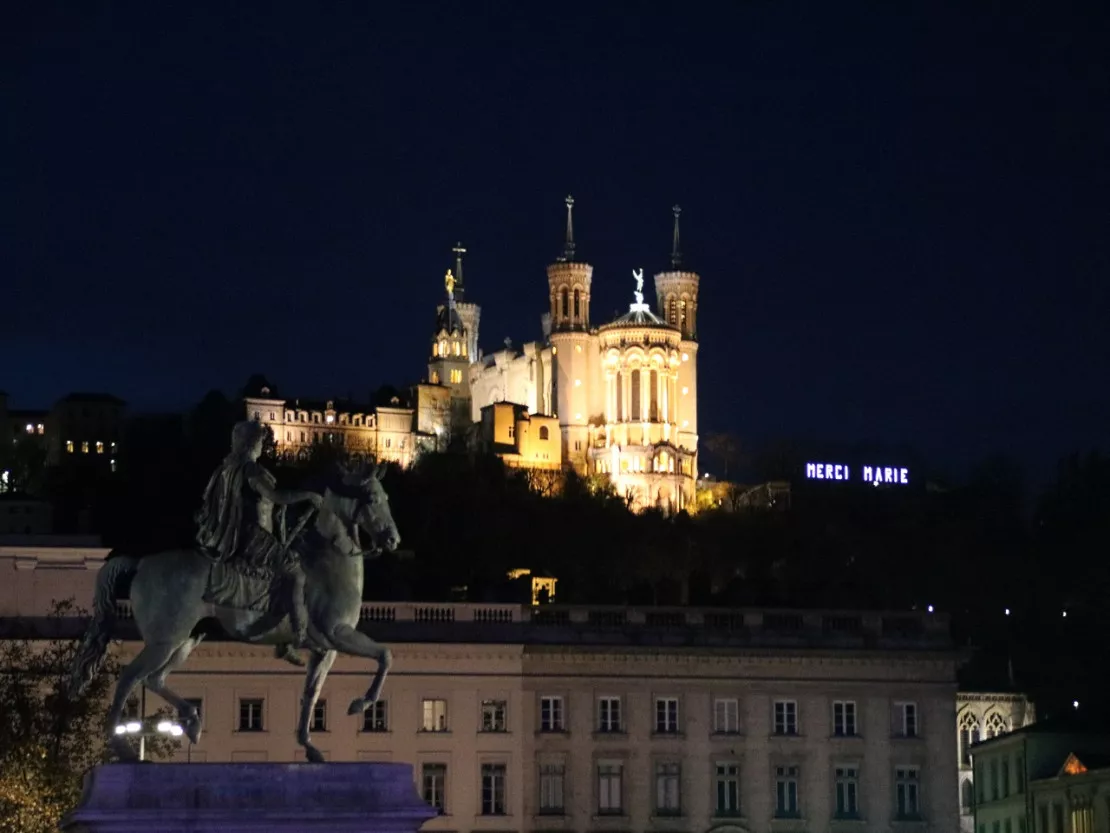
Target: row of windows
(334, 438)
(1004, 775)
(87, 447)
(455, 376)
(610, 716)
(443, 348)
(667, 798)
(971, 731)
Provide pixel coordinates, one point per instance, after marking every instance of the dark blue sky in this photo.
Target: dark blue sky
(899, 210)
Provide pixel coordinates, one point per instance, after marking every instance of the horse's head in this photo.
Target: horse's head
(364, 503)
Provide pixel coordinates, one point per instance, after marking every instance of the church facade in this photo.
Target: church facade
(624, 393)
(619, 400)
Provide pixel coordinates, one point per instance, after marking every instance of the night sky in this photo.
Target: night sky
(899, 210)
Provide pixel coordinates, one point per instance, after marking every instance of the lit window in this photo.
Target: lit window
(85, 447)
(456, 376)
(99, 447)
(435, 377)
(456, 347)
(435, 348)
(112, 464)
(685, 357)
(435, 716)
(30, 428)
(329, 419)
(578, 383)
(69, 446)
(685, 390)
(554, 351)
(39, 427)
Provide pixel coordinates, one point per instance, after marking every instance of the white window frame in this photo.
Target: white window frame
(666, 715)
(910, 726)
(553, 705)
(726, 774)
(252, 702)
(907, 792)
(434, 714)
(376, 717)
(846, 795)
(788, 803)
(668, 788)
(494, 717)
(786, 718)
(494, 782)
(436, 787)
(553, 788)
(724, 722)
(845, 719)
(610, 788)
(609, 714)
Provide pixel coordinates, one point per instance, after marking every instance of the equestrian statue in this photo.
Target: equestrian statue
(297, 590)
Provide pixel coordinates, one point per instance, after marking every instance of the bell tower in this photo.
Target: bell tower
(676, 292)
(449, 362)
(572, 346)
(569, 283)
(469, 312)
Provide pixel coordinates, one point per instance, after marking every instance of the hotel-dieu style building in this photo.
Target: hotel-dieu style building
(551, 718)
(618, 400)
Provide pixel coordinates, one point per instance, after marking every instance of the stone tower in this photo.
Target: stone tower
(469, 313)
(676, 292)
(449, 362)
(572, 346)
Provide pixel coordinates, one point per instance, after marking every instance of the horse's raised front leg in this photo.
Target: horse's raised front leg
(151, 658)
(350, 641)
(186, 711)
(318, 666)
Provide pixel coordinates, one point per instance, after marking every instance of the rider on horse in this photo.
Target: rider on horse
(235, 524)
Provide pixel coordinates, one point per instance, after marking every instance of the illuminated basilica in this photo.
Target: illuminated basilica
(617, 400)
(624, 393)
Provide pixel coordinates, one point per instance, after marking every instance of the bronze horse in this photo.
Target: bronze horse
(170, 594)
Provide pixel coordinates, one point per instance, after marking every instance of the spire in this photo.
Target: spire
(460, 288)
(676, 254)
(568, 247)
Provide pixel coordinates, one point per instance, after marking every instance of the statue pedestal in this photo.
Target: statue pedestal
(198, 798)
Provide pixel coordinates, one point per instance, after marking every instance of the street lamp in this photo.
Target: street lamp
(147, 728)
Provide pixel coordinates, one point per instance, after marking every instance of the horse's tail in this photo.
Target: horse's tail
(94, 646)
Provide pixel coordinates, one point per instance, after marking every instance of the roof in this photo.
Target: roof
(638, 315)
(1070, 724)
(447, 319)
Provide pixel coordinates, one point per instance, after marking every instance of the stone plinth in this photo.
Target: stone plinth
(198, 798)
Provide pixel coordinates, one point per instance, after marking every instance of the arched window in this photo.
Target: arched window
(577, 301)
(969, 735)
(563, 307)
(682, 315)
(967, 795)
(996, 725)
(634, 404)
(620, 396)
(653, 407)
(458, 348)
(544, 433)
(435, 348)
(671, 315)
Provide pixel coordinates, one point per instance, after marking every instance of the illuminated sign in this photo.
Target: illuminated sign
(876, 475)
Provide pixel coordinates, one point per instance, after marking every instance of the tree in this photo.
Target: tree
(725, 448)
(48, 741)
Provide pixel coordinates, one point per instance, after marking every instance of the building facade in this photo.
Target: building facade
(622, 396)
(624, 393)
(981, 715)
(1043, 778)
(549, 718)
